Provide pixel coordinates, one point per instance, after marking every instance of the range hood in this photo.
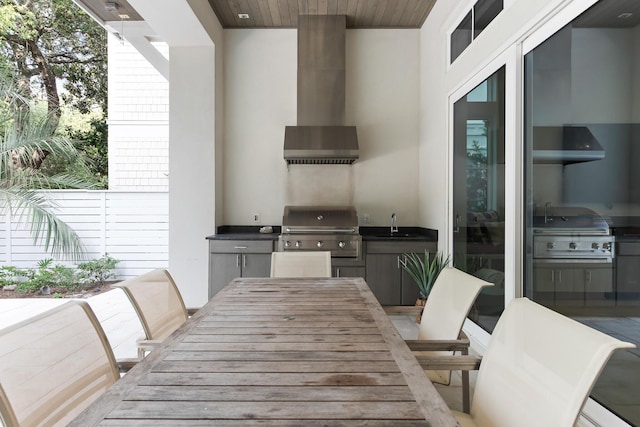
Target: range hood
(321, 136)
(565, 145)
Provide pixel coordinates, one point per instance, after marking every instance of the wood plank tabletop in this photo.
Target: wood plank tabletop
(284, 352)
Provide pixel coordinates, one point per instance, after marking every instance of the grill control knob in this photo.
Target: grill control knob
(551, 245)
(287, 244)
(342, 244)
(320, 244)
(606, 246)
(595, 245)
(298, 244)
(573, 245)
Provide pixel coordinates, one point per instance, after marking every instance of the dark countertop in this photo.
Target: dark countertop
(622, 225)
(247, 232)
(410, 234)
(244, 232)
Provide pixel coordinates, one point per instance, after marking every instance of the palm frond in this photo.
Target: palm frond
(35, 212)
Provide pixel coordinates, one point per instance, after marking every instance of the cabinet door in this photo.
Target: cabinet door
(348, 271)
(256, 265)
(598, 285)
(568, 291)
(222, 269)
(544, 285)
(410, 291)
(384, 278)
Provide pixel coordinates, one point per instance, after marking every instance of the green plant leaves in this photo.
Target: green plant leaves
(424, 270)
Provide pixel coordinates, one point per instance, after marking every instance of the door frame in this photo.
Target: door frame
(511, 59)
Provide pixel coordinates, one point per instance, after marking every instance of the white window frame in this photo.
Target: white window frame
(511, 59)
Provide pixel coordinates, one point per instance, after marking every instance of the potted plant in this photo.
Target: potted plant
(424, 271)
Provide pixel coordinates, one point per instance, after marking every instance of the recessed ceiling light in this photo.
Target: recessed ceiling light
(123, 16)
(625, 15)
(243, 15)
(111, 6)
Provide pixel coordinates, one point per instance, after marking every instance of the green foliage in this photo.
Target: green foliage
(40, 38)
(47, 274)
(10, 275)
(424, 271)
(59, 278)
(20, 141)
(97, 270)
(91, 143)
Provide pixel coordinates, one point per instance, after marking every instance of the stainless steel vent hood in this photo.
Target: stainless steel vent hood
(565, 145)
(321, 136)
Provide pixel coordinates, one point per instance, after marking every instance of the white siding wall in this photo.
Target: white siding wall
(138, 120)
(132, 227)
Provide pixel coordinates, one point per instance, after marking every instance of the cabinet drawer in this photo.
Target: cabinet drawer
(628, 248)
(240, 246)
(400, 247)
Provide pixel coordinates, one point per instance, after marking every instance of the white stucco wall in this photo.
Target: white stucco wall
(382, 81)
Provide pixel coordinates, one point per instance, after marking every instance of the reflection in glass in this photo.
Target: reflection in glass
(461, 37)
(483, 13)
(582, 212)
(478, 193)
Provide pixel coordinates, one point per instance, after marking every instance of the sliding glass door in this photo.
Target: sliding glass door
(479, 192)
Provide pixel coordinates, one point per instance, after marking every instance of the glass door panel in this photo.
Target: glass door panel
(479, 193)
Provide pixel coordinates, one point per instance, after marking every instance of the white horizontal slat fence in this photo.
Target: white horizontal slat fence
(131, 226)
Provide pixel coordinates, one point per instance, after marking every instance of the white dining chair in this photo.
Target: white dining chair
(538, 370)
(301, 264)
(440, 329)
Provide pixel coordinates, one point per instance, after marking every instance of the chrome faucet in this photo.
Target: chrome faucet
(394, 225)
(546, 217)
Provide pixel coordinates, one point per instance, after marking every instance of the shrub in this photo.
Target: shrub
(59, 278)
(97, 270)
(10, 275)
(47, 274)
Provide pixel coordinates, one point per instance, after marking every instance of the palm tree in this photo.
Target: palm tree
(25, 140)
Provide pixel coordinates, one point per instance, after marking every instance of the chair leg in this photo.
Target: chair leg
(466, 401)
(465, 392)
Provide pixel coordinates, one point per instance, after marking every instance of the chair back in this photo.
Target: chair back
(301, 264)
(53, 365)
(446, 309)
(539, 368)
(448, 305)
(157, 301)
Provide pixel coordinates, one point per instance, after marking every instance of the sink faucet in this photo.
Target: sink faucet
(394, 225)
(546, 218)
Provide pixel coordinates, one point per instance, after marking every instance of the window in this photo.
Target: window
(474, 22)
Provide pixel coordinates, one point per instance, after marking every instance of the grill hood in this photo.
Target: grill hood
(565, 145)
(321, 136)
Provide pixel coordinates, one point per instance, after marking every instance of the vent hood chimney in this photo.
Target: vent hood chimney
(565, 145)
(321, 136)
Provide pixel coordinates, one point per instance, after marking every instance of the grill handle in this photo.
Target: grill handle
(319, 230)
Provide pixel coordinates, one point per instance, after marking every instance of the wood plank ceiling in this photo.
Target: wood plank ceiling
(360, 13)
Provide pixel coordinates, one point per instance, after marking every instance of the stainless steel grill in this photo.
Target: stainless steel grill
(321, 228)
(573, 239)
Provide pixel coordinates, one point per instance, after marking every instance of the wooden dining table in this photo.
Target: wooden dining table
(275, 351)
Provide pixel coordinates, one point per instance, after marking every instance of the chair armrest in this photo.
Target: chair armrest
(461, 344)
(124, 365)
(452, 363)
(192, 310)
(148, 345)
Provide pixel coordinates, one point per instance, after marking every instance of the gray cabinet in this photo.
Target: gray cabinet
(573, 283)
(229, 259)
(347, 271)
(384, 274)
